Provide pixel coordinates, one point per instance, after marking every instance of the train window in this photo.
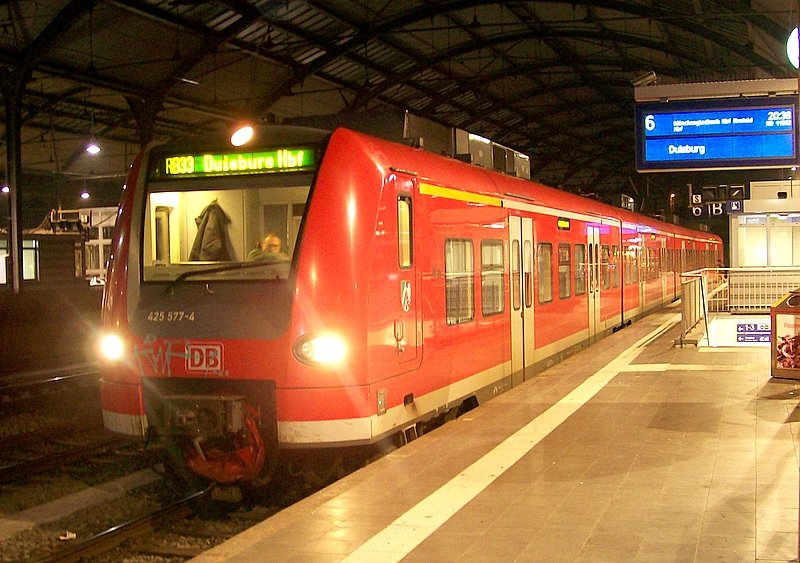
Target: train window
(615, 266)
(527, 272)
(626, 262)
(544, 269)
(580, 269)
(630, 265)
(492, 296)
(516, 287)
(564, 273)
(651, 263)
(404, 231)
(605, 268)
(656, 264)
(459, 281)
(226, 231)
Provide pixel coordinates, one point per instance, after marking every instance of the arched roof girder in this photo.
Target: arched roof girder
(430, 11)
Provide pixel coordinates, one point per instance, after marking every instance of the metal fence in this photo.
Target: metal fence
(733, 290)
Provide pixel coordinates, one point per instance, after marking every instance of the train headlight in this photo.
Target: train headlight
(111, 347)
(320, 350)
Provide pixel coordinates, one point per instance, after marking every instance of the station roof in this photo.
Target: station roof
(552, 79)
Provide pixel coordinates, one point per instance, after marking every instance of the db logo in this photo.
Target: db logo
(204, 357)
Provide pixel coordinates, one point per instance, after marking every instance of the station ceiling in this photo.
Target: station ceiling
(552, 79)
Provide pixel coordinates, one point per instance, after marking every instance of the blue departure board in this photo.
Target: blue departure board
(714, 134)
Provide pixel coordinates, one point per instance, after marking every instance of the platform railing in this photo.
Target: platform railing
(754, 290)
(733, 290)
(696, 287)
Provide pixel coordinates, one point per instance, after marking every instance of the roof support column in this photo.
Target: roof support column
(13, 86)
(145, 112)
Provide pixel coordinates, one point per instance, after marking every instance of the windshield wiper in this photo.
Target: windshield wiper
(218, 269)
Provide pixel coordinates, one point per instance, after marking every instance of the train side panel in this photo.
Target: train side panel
(121, 386)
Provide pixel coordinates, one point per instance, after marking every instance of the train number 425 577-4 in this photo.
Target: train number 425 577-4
(170, 316)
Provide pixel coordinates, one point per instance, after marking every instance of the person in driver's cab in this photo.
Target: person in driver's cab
(268, 247)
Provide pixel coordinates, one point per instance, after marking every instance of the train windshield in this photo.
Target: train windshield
(239, 227)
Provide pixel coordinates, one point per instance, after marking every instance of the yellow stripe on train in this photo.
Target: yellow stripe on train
(450, 193)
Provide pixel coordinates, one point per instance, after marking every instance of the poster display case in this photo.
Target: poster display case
(785, 349)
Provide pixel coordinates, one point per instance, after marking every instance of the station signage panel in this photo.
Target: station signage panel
(234, 163)
(711, 201)
(753, 332)
(714, 134)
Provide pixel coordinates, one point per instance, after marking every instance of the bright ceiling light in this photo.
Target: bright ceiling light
(5, 189)
(242, 135)
(792, 50)
(92, 148)
(85, 195)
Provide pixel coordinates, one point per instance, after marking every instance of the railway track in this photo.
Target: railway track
(55, 453)
(114, 536)
(50, 420)
(27, 387)
(54, 460)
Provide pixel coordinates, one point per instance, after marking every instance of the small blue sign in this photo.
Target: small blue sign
(753, 332)
(752, 337)
(735, 206)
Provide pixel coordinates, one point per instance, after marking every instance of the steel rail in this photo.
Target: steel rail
(114, 536)
(24, 469)
(32, 379)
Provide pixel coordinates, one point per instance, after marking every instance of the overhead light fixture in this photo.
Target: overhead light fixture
(85, 195)
(92, 147)
(242, 135)
(5, 189)
(645, 79)
(473, 137)
(792, 50)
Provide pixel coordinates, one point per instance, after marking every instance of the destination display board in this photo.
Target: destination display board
(715, 134)
(234, 163)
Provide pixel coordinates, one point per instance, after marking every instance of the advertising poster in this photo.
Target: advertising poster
(786, 341)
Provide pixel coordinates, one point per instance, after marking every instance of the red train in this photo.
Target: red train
(406, 283)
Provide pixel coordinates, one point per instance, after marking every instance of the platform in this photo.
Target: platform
(634, 450)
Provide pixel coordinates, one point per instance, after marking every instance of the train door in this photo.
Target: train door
(403, 301)
(521, 265)
(682, 258)
(643, 272)
(664, 267)
(593, 292)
